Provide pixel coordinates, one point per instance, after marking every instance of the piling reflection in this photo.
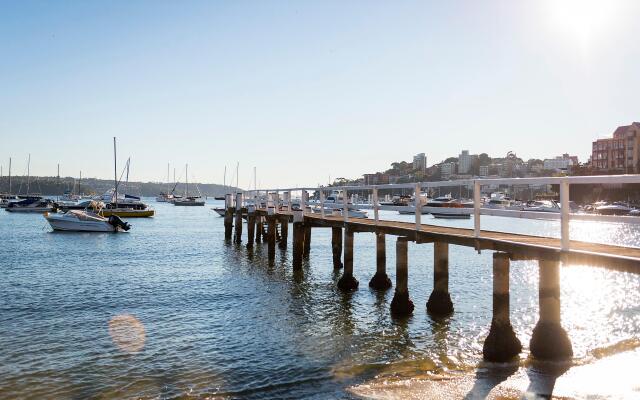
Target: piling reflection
(127, 333)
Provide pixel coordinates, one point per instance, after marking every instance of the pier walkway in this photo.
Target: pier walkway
(270, 215)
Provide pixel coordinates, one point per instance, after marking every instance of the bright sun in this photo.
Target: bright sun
(583, 20)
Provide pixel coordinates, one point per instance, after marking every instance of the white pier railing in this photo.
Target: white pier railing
(477, 184)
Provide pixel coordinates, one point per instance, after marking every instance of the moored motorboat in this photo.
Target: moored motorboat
(30, 205)
(189, 202)
(85, 221)
(614, 209)
(542, 206)
(219, 210)
(449, 208)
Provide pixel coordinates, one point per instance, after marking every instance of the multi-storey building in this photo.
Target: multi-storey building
(621, 152)
(420, 162)
(560, 163)
(465, 162)
(376, 179)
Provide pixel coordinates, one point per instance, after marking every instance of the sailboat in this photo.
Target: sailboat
(224, 184)
(165, 197)
(29, 203)
(6, 198)
(127, 206)
(188, 200)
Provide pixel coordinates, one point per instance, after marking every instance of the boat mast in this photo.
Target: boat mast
(115, 173)
(9, 175)
(58, 196)
(168, 179)
(224, 179)
(28, 173)
(255, 181)
(79, 183)
(237, 177)
(186, 180)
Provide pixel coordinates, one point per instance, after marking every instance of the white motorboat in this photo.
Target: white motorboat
(351, 212)
(85, 221)
(542, 206)
(449, 208)
(614, 209)
(30, 205)
(6, 199)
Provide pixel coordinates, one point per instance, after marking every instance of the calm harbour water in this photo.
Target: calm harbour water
(217, 321)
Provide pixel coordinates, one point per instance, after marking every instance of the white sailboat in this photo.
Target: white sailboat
(188, 201)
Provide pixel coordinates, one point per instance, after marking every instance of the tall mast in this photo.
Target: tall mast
(28, 172)
(224, 179)
(186, 180)
(237, 176)
(58, 196)
(79, 183)
(115, 173)
(255, 180)
(9, 175)
(167, 179)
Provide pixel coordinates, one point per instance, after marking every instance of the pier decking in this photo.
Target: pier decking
(549, 340)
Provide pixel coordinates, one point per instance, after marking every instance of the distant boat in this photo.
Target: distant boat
(188, 201)
(30, 205)
(165, 197)
(542, 206)
(85, 221)
(220, 211)
(449, 208)
(224, 185)
(614, 209)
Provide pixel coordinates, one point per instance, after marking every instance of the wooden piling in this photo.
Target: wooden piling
(380, 280)
(298, 239)
(336, 247)
(238, 223)
(439, 304)
(259, 228)
(401, 305)
(549, 340)
(228, 223)
(347, 282)
(251, 226)
(271, 236)
(502, 344)
(284, 231)
(307, 240)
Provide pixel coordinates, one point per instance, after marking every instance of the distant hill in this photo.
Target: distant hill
(52, 186)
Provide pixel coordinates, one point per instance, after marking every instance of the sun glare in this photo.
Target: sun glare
(583, 20)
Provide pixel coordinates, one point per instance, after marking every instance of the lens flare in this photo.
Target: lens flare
(127, 332)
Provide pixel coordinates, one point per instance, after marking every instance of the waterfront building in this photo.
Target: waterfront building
(465, 162)
(376, 179)
(620, 152)
(447, 169)
(420, 162)
(560, 163)
(484, 170)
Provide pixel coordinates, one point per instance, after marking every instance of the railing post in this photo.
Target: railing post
(345, 204)
(376, 205)
(322, 203)
(476, 209)
(304, 198)
(418, 204)
(564, 214)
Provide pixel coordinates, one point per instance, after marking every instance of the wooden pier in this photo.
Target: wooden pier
(549, 340)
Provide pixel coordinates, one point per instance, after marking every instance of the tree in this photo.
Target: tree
(484, 159)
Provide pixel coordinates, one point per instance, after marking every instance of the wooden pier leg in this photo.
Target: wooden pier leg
(251, 227)
(271, 236)
(380, 280)
(502, 344)
(284, 231)
(549, 340)
(336, 247)
(298, 239)
(401, 305)
(439, 304)
(347, 282)
(238, 237)
(228, 223)
(307, 240)
(259, 228)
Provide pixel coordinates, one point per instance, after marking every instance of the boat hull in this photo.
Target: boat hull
(28, 209)
(188, 203)
(80, 226)
(124, 213)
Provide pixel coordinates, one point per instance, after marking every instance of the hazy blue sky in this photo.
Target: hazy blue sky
(303, 90)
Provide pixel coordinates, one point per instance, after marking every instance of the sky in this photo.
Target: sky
(305, 91)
